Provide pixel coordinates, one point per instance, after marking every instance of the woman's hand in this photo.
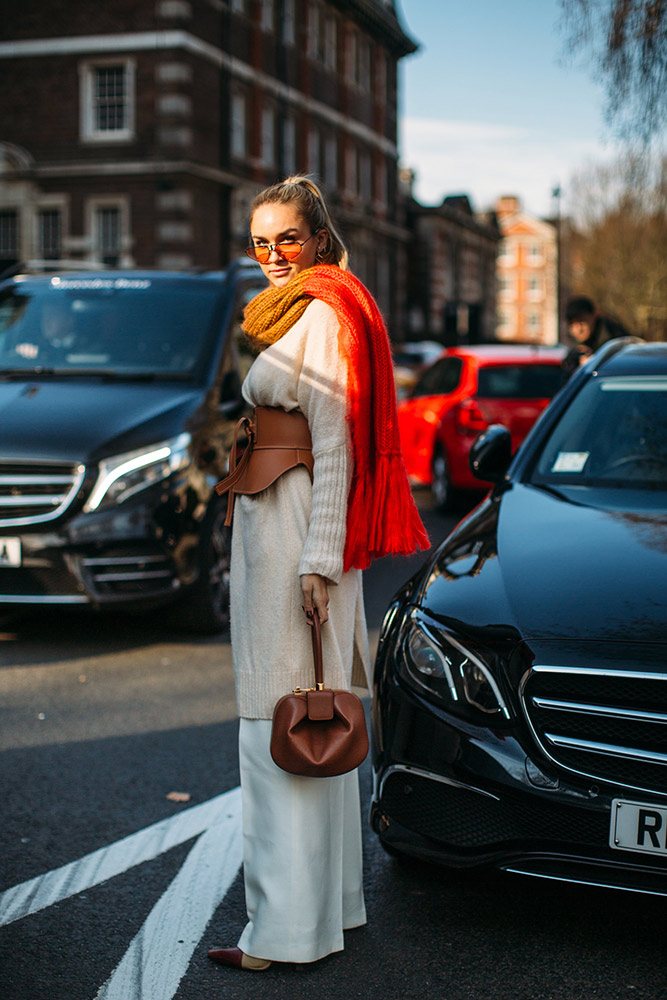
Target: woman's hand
(315, 595)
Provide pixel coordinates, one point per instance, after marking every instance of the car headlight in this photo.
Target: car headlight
(441, 667)
(121, 476)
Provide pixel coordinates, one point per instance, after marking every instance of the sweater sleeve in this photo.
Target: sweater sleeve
(322, 397)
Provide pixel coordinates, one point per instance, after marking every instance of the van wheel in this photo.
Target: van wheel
(206, 608)
(441, 486)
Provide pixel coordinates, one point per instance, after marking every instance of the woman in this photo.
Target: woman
(298, 548)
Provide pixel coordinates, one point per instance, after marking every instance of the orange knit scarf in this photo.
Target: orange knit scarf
(382, 518)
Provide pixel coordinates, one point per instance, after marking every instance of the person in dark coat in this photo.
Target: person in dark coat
(588, 331)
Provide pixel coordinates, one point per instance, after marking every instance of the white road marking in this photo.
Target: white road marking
(61, 883)
(159, 955)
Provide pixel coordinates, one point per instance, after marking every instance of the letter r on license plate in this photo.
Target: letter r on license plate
(638, 826)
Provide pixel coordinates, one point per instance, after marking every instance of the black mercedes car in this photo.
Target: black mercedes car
(119, 391)
(520, 702)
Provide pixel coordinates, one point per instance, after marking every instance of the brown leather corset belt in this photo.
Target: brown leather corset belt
(278, 440)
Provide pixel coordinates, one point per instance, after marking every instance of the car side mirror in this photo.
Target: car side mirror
(491, 454)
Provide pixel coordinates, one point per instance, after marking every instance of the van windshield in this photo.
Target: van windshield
(119, 326)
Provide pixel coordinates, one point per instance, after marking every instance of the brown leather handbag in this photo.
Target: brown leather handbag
(318, 732)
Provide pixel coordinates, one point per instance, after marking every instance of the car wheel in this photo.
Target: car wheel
(206, 608)
(441, 487)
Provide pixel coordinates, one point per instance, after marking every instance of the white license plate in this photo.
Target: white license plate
(638, 826)
(10, 552)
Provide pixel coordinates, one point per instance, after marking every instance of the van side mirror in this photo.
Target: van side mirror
(491, 454)
(231, 401)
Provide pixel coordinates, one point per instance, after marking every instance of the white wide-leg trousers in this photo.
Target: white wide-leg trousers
(302, 858)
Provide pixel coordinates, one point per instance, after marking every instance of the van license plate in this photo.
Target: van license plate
(638, 826)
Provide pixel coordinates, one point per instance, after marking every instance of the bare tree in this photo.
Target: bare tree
(616, 241)
(628, 43)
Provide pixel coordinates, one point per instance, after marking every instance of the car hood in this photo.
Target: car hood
(72, 421)
(531, 565)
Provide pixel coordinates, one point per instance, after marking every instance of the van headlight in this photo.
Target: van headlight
(121, 476)
(438, 665)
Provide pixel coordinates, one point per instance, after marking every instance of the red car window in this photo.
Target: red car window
(442, 377)
(518, 381)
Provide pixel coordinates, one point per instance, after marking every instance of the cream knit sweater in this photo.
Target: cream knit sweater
(294, 528)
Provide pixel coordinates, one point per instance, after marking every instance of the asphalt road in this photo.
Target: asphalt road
(102, 720)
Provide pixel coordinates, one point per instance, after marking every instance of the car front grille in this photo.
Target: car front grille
(33, 493)
(464, 818)
(607, 725)
(119, 575)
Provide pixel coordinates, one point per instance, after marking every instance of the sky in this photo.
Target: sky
(491, 105)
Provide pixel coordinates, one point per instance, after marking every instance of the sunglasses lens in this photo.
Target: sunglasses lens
(260, 254)
(288, 249)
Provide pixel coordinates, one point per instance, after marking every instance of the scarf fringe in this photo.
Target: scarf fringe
(381, 498)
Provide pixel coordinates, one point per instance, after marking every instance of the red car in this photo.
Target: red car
(461, 394)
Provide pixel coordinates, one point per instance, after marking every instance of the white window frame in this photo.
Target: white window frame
(506, 286)
(535, 287)
(87, 80)
(92, 209)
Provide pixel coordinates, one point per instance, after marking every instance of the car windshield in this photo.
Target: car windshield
(118, 326)
(614, 434)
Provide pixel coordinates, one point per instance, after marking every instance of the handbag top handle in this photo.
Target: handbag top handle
(317, 650)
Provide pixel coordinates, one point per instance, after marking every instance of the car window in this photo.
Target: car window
(614, 433)
(118, 325)
(518, 381)
(440, 378)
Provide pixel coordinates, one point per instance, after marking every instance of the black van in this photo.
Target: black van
(119, 391)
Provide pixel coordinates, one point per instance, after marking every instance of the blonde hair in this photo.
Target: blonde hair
(310, 204)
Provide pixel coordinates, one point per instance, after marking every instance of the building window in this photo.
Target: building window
(505, 286)
(535, 287)
(506, 253)
(364, 64)
(381, 183)
(50, 233)
(331, 162)
(352, 56)
(288, 21)
(352, 170)
(534, 322)
(9, 234)
(313, 151)
(380, 76)
(108, 235)
(331, 43)
(313, 31)
(239, 137)
(535, 253)
(107, 100)
(365, 178)
(268, 137)
(289, 146)
(266, 15)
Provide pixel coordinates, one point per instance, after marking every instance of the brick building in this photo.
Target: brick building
(137, 132)
(452, 271)
(527, 275)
